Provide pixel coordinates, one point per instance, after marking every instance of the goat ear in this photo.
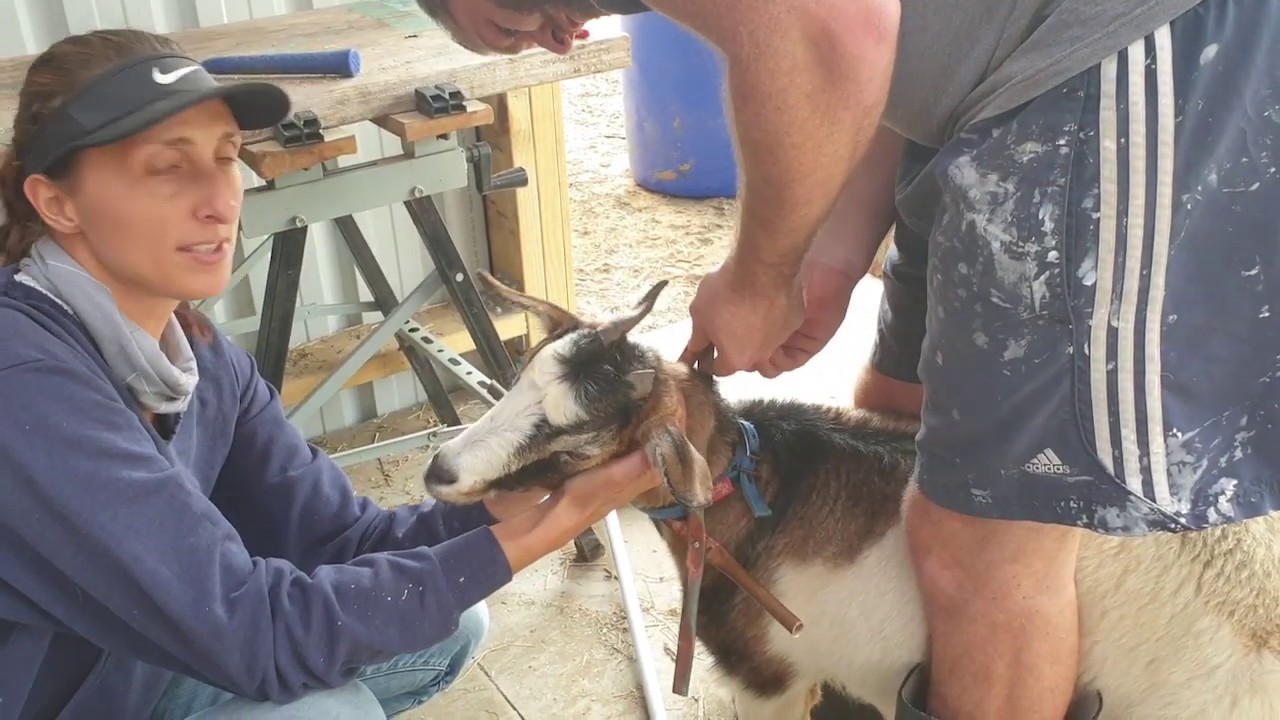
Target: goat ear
(553, 317)
(685, 471)
(614, 329)
(641, 383)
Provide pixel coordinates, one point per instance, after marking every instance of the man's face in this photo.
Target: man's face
(513, 26)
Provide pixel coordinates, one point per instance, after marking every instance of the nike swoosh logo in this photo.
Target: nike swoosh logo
(171, 77)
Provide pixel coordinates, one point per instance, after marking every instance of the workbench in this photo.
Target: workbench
(511, 104)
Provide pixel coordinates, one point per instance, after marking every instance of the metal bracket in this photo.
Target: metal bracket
(439, 100)
(429, 438)
(366, 348)
(353, 189)
(488, 391)
(301, 128)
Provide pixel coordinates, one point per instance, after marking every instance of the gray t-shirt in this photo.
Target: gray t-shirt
(964, 60)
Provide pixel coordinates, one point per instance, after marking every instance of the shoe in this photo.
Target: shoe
(1087, 706)
(913, 696)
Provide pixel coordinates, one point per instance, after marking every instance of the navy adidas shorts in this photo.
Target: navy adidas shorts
(1088, 288)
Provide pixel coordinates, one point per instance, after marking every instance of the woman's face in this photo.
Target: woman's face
(154, 217)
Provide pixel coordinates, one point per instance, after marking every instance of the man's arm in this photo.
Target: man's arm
(864, 211)
(842, 251)
(807, 83)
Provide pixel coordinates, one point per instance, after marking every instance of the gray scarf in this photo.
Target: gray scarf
(161, 375)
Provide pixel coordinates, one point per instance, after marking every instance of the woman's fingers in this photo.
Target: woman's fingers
(614, 483)
(630, 470)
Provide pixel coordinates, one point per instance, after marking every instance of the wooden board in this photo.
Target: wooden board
(400, 49)
(529, 239)
(413, 126)
(308, 364)
(269, 159)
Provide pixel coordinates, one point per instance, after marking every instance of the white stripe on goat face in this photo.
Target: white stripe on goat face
(488, 449)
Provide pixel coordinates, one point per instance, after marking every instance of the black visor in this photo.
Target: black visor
(132, 97)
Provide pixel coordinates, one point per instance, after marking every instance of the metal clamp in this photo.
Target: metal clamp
(301, 128)
(439, 99)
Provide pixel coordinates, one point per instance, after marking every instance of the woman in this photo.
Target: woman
(170, 546)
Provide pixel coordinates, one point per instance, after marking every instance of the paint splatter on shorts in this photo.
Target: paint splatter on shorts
(1088, 287)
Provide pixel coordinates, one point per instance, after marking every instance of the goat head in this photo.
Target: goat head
(585, 394)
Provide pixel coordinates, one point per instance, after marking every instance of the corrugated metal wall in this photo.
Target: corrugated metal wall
(29, 26)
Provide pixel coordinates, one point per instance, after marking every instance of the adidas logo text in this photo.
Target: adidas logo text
(1046, 462)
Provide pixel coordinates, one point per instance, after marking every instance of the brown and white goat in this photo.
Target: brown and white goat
(1172, 626)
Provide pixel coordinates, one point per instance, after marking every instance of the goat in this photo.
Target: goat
(1172, 626)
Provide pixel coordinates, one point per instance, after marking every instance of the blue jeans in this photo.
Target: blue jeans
(380, 691)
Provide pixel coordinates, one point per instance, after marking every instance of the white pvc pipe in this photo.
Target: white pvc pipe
(635, 618)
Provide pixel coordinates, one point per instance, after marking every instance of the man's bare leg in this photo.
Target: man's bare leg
(999, 597)
(880, 393)
(1000, 604)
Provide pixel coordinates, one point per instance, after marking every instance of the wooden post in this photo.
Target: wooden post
(529, 240)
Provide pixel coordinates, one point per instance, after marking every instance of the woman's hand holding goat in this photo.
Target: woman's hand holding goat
(583, 501)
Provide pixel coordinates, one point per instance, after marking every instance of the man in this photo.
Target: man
(1086, 193)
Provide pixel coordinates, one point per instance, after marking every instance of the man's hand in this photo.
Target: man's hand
(745, 313)
(842, 251)
(827, 289)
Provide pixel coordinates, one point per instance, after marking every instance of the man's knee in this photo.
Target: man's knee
(880, 393)
(963, 558)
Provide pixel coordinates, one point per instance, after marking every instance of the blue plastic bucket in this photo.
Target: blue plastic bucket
(678, 139)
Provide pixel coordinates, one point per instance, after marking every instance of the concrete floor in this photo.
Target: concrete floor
(559, 646)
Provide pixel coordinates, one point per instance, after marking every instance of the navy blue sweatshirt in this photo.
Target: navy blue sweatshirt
(233, 551)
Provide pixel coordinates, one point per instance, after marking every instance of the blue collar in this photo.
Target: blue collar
(739, 476)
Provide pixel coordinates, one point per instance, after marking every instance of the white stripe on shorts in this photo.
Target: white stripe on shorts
(1137, 327)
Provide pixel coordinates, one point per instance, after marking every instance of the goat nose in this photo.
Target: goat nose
(439, 473)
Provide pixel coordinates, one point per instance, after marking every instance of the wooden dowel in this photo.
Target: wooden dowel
(721, 560)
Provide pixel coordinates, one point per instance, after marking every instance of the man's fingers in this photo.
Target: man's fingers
(768, 369)
(783, 360)
(792, 358)
(726, 365)
(698, 341)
